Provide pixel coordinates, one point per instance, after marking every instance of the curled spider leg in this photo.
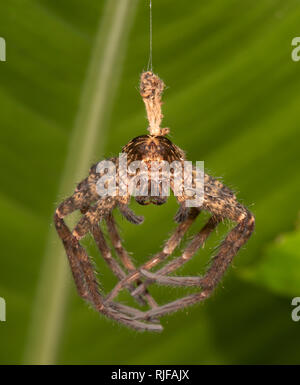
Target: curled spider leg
(168, 249)
(160, 275)
(117, 243)
(131, 322)
(125, 309)
(93, 215)
(82, 268)
(77, 201)
(89, 222)
(125, 257)
(130, 215)
(170, 281)
(174, 306)
(80, 263)
(182, 213)
(228, 249)
(87, 286)
(76, 269)
(106, 254)
(236, 238)
(112, 263)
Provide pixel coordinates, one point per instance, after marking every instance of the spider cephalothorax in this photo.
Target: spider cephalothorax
(152, 151)
(143, 154)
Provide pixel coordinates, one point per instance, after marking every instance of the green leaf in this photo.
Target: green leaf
(89, 130)
(232, 100)
(279, 268)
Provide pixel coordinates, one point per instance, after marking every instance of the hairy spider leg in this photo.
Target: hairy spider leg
(160, 275)
(91, 218)
(124, 256)
(81, 266)
(113, 264)
(221, 204)
(168, 249)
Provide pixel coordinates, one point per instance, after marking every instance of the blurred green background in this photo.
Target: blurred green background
(69, 97)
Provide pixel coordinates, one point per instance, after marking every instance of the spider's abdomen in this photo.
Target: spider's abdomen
(152, 148)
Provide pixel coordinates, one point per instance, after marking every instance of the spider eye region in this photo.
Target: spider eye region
(146, 200)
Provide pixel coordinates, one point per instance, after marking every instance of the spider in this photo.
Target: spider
(218, 200)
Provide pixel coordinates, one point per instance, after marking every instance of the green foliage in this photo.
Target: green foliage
(279, 268)
(233, 101)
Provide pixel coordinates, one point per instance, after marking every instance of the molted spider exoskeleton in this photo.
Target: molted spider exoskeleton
(137, 180)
